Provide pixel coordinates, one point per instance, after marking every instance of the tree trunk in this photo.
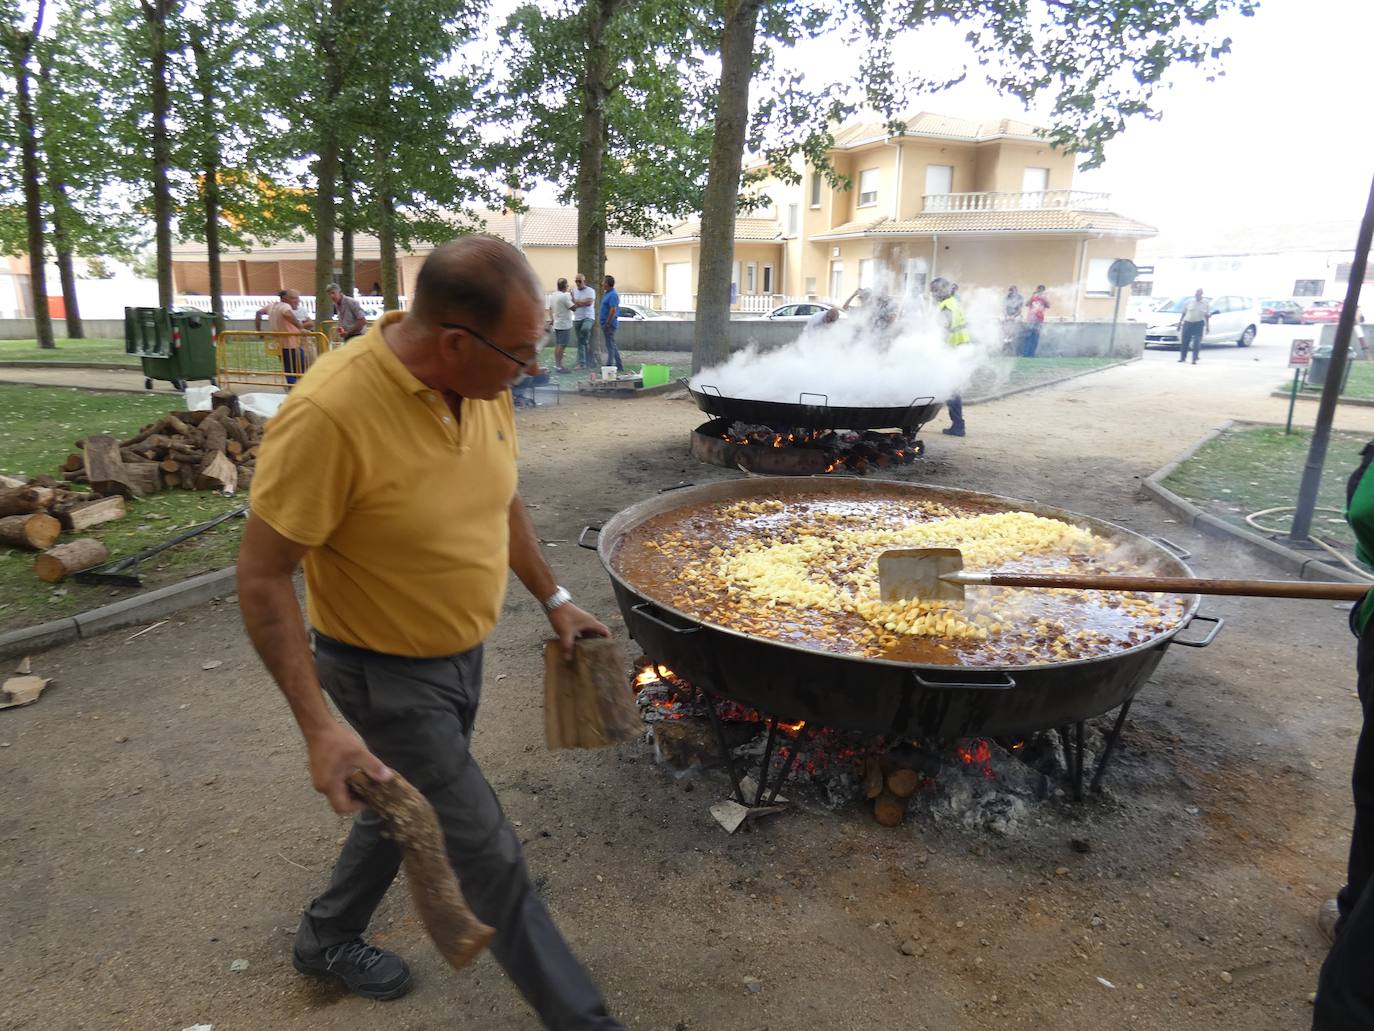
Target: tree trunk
(210, 190)
(33, 200)
(386, 243)
(591, 152)
(711, 339)
(155, 12)
(66, 271)
(327, 165)
(347, 217)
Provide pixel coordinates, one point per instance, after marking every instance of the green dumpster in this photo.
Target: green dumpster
(174, 344)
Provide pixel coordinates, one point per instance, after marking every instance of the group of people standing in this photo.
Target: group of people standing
(1023, 319)
(573, 314)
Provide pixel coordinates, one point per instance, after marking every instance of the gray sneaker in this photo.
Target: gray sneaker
(1328, 914)
(364, 969)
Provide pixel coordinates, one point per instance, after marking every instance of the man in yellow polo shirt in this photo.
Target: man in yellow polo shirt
(391, 473)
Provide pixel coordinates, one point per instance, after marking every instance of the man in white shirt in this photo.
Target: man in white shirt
(583, 319)
(1191, 325)
(561, 308)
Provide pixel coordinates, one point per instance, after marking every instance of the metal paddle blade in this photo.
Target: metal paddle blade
(915, 573)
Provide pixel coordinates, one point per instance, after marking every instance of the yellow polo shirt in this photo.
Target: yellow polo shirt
(405, 508)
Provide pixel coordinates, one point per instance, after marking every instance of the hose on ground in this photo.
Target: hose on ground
(1253, 520)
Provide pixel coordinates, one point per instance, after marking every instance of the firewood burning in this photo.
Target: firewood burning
(759, 448)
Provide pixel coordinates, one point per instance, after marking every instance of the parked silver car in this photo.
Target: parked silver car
(1233, 320)
(643, 313)
(800, 312)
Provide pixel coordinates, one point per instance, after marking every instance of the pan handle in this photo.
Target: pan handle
(582, 538)
(1177, 549)
(1006, 683)
(645, 610)
(825, 398)
(707, 388)
(676, 486)
(1217, 623)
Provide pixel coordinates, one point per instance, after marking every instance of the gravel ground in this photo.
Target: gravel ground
(157, 824)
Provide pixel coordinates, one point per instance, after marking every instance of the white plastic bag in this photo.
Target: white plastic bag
(198, 398)
(265, 405)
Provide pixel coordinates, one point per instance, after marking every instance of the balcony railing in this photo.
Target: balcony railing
(1035, 200)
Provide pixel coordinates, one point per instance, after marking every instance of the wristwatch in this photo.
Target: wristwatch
(560, 596)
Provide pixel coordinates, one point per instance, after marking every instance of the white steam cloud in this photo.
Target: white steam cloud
(856, 364)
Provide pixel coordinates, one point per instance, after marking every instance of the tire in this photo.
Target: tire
(147, 383)
(1247, 337)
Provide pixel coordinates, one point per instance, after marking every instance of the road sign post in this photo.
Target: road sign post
(1121, 273)
(1299, 358)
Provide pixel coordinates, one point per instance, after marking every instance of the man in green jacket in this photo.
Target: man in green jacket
(955, 322)
(1345, 991)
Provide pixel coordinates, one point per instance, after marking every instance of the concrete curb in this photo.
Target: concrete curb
(1048, 383)
(1303, 565)
(138, 391)
(125, 612)
(1355, 402)
(98, 366)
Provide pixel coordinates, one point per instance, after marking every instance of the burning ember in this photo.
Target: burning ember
(800, 451)
(980, 783)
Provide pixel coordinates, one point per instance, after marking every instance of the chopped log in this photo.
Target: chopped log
(60, 562)
(588, 702)
(73, 463)
(169, 465)
(144, 478)
(903, 783)
(411, 823)
(873, 777)
(9, 482)
(75, 478)
(37, 530)
(25, 499)
(245, 477)
(215, 435)
(133, 457)
(185, 452)
(171, 480)
(105, 467)
(226, 401)
(186, 476)
(196, 418)
(174, 423)
(83, 516)
(888, 809)
(233, 449)
(44, 481)
(217, 473)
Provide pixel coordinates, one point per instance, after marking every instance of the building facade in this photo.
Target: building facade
(983, 204)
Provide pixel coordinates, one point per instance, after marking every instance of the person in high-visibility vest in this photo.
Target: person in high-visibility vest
(956, 335)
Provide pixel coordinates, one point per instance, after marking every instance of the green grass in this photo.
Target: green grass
(1024, 372)
(40, 428)
(1248, 470)
(680, 362)
(95, 349)
(1360, 386)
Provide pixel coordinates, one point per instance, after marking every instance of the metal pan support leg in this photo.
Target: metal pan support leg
(1107, 749)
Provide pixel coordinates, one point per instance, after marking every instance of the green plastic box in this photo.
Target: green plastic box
(655, 375)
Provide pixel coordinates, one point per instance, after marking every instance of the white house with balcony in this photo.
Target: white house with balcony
(985, 204)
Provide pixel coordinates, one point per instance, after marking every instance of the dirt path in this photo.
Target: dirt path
(156, 822)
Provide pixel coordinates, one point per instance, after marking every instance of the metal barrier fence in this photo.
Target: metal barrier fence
(262, 361)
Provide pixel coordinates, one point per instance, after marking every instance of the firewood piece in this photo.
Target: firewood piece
(73, 463)
(144, 478)
(177, 426)
(90, 513)
(889, 809)
(873, 777)
(233, 449)
(60, 562)
(130, 456)
(588, 702)
(215, 435)
(25, 499)
(196, 418)
(10, 482)
(36, 531)
(169, 465)
(171, 480)
(903, 783)
(75, 478)
(217, 473)
(186, 476)
(183, 452)
(105, 467)
(224, 399)
(245, 475)
(411, 823)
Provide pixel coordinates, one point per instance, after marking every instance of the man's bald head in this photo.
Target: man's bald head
(473, 279)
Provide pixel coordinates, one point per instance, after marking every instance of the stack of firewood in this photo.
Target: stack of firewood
(214, 450)
(35, 513)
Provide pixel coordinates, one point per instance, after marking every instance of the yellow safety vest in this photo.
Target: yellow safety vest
(956, 332)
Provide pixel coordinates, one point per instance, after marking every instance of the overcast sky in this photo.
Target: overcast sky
(1285, 135)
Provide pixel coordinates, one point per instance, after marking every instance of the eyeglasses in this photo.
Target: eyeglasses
(522, 362)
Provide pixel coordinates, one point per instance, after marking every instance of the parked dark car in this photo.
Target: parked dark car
(1280, 311)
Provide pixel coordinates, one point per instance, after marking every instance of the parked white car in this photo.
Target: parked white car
(801, 312)
(1234, 320)
(642, 313)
